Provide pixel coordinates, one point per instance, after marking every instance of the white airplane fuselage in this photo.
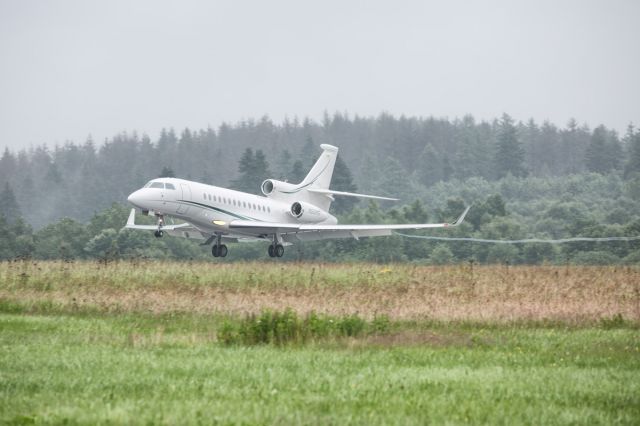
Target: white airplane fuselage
(203, 205)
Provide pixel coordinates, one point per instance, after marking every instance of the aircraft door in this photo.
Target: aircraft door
(183, 207)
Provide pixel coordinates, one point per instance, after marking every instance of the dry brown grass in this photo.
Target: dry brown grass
(569, 294)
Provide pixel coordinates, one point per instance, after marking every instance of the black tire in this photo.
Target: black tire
(279, 250)
(271, 251)
(159, 233)
(222, 251)
(214, 250)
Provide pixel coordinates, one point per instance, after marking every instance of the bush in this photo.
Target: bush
(282, 328)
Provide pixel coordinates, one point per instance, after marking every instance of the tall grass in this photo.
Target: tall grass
(568, 294)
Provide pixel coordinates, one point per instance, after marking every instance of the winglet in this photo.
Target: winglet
(132, 218)
(461, 218)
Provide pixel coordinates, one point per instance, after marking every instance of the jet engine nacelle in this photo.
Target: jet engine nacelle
(306, 212)
(271, 186)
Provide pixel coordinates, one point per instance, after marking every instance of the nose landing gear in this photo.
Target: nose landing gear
(159, 232)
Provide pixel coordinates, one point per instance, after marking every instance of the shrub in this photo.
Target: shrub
(282, 328)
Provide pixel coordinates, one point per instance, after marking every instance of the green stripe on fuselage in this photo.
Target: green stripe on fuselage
(219, 210)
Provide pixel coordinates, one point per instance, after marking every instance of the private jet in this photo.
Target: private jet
(285, 214)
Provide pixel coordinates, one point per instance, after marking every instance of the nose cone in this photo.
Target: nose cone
(136, 198)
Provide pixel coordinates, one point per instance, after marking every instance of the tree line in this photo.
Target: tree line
(551, 182)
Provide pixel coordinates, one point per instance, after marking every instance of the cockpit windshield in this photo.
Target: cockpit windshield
(159, 185)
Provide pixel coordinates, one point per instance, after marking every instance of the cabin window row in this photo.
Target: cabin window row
(224, 200)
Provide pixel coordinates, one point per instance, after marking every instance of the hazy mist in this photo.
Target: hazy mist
(73, 68)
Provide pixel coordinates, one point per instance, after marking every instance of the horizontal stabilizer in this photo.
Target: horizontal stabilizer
(348, 194)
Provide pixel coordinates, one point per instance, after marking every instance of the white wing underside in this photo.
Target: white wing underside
(247, 230)
(308, 232)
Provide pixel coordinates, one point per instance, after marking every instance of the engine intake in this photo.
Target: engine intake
(306, 212)
(270, 186)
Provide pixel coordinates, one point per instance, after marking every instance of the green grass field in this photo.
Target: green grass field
(76, 360)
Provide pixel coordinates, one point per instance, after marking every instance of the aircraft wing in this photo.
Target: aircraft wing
(320, 232)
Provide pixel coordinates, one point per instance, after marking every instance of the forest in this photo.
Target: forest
(522, 179)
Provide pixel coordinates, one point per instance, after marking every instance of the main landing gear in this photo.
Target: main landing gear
(276, 249)
(218, 249)
(159, 232)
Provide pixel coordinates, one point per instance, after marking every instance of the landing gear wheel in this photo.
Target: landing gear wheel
(271, 251)
(159, 233)
(278, 250)
(219, 250)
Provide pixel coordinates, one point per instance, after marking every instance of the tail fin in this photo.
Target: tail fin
(322, 171)
(319, 177)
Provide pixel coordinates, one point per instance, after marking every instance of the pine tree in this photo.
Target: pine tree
(509, 156)
(596, 157)
(394, 182)
(369, 174)
(447, 169)
(633, 158)
(615, 151)
(7, 166)
(429, 169)
(9, 207)
(309, 153)
(284, 164)
(297, 172)
(342, 180)
(245, 169)
(253, 170)
(261, 168)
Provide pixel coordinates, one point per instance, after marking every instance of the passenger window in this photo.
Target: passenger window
(209, 197)
(170, 186)
(244, 204)
(269, 209)
(204, 196)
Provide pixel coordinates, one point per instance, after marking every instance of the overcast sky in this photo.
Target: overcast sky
(73, 68)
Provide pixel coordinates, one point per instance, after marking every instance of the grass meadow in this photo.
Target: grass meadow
(283, 343)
